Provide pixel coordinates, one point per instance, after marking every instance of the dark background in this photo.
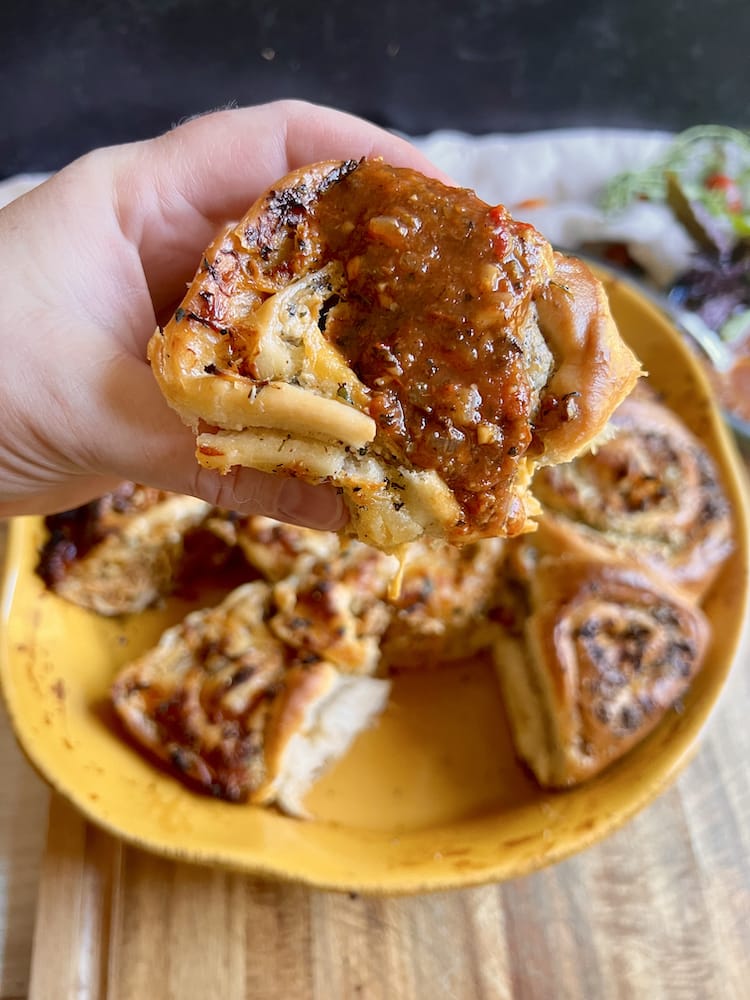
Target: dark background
(77, 75)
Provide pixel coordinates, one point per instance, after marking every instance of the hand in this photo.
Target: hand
(93, 259)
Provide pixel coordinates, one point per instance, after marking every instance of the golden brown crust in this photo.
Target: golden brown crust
(231, 708)
(596, 650)
(651, 492)
(441, 612)
(121, 553)
(275, 549)
(595, 370)
(334, 609)
(199, 700)
(259, 350)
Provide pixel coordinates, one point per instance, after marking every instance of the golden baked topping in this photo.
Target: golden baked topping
(123, 552)
(651, 490)
(230, 707)
(595, 652)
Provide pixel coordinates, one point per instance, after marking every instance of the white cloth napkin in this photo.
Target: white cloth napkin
(565, 173)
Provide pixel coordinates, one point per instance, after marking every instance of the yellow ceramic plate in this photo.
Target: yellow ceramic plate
(432, 797)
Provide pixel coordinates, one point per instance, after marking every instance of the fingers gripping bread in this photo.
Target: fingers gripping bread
(369, 327)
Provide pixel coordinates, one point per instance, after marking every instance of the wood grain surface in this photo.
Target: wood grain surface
(23, 824)
(660, 910)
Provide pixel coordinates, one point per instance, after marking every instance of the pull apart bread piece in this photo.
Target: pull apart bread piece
(119, 554)
(366, 326)
(328, 591)
(336, 609)
(439, 614)
(594, 653)
(442, 610)
(232, 709)
(272, 547)
(650, 492)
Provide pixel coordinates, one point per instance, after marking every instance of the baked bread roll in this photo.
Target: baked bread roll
(273, 548)
(650, 492)
(595, 651)
(438, 614)
(367, 326)
(441, 612)
(228, 707)
(335, 609)
(119, 554)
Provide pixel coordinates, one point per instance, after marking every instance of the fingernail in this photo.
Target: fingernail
(314, 506)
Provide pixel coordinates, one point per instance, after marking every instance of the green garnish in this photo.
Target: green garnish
(736, 326)
(710, 164)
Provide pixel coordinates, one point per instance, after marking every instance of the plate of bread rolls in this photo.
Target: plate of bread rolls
(511, 650)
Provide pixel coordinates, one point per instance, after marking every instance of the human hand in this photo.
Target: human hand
(93, 259)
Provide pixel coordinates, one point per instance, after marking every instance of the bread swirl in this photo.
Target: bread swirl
(595, 650)
(650, 492)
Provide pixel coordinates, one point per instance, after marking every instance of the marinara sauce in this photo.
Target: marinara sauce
(438, 286)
